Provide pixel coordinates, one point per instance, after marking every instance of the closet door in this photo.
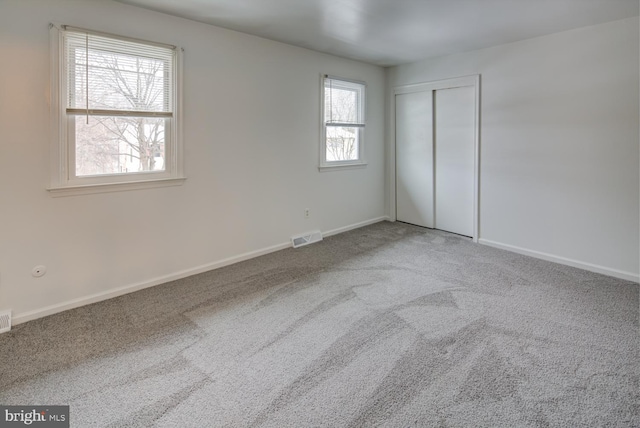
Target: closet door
(414, 158)
(454, 122)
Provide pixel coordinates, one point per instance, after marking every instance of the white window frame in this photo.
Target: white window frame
(62, 145)
(325, 164)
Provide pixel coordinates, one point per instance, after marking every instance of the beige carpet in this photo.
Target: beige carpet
(389, 325)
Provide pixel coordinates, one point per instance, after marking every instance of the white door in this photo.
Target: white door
(435, 158)
(454, 159)
(414, 158)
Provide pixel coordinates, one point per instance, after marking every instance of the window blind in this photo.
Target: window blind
(113, 76)
(343, 103)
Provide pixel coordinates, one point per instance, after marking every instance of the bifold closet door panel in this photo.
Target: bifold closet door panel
(454, 121)
(414, 158)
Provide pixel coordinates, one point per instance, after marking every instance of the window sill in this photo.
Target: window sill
(87, 189)
(341, 166)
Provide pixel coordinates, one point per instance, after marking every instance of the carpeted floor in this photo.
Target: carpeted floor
(389, 325)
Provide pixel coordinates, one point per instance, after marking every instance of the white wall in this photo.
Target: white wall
(559, 143)
(251, 133)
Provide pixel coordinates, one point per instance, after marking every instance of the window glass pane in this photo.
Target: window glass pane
(342, 143)
(119, 145)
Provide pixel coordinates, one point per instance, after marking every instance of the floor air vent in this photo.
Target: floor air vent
(306, 238)
(5, 321)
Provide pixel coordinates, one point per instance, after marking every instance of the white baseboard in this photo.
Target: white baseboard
(98, 297)
(629, 276)
(355, 226)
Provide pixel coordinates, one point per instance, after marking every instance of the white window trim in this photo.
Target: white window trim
(60, 157)
(361, 162)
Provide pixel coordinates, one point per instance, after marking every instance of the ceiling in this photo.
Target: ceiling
(391, 32)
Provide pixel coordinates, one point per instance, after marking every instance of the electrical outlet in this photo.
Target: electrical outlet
(307, 213)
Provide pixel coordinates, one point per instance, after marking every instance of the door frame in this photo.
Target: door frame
(473, 81)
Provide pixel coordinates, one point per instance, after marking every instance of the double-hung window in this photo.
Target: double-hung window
(115, 104)
(343, 110)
